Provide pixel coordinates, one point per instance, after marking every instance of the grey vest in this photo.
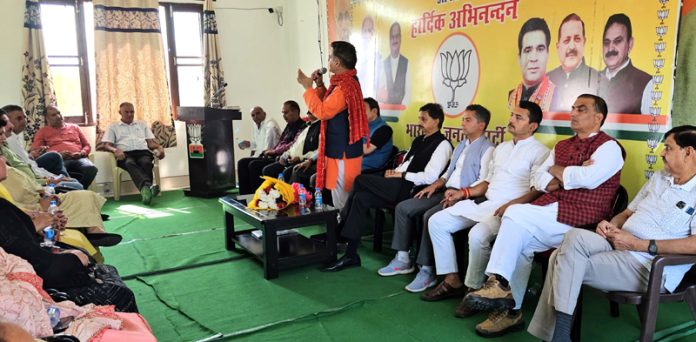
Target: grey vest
(471, 168)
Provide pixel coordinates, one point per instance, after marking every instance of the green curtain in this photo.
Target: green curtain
(684, 108)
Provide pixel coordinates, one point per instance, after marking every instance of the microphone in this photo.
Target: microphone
(321, 71)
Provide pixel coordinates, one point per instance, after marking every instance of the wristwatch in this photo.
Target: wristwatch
(652, 248)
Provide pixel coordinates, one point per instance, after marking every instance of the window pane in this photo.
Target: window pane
(189, 61)
(91, 62)
(187, 34)
(74, 61)
(165, 34)
(66, 80)
(190, 85)
(59, 31)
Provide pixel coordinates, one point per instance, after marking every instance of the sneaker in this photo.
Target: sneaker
(395, 267)
(423, 281)
(500, 323)
(492, 296)
(146, 193)
(155, 189)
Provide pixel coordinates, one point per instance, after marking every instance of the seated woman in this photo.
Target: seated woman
(67, 270)
(24, 302)
(81, 207)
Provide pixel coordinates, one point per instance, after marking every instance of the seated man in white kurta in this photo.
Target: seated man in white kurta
(619, 255)
(580, 179)
(507, 182)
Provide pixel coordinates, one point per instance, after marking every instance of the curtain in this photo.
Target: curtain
(130, 65)
(214, 78)
(37, 86)
(685, 84)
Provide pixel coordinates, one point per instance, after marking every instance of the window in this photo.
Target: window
(185, 46)
(66, 56)
(68, 29)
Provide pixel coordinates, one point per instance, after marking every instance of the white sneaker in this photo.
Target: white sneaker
(423, 281)
(395, 267)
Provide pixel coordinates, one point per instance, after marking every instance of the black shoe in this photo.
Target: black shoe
(104, 217)
(104, 239)
(345, 261)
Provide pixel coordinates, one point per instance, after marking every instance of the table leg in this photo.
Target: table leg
(229, 232)
(270, 253)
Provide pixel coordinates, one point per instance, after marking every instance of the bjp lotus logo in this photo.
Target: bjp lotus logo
(455, 68)
(455, 74)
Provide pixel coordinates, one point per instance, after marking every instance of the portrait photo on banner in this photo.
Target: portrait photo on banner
(497, 53)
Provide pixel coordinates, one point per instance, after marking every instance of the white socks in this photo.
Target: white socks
(403, 257)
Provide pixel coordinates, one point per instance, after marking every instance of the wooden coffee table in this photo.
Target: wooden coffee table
(276, 251)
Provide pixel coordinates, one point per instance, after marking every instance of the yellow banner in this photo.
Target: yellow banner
(495, 53)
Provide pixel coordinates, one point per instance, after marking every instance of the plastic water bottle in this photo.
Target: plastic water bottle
(318, 200)
(49, 236)
(54, 315)
(50, 189)
(281, 177)
(303, 199)
(53, 208)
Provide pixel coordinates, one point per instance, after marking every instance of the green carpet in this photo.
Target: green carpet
(190, 288)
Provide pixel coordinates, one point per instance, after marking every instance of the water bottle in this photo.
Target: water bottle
(53, 208)
(54, 315)
(49, 236)
(281, 177)
(318, 200)
(50, 189)
(303, 199)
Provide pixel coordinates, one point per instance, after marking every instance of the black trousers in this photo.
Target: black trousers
(272, 170)
(249, 171)
(139, 166)
(304, 176)
(370, 191)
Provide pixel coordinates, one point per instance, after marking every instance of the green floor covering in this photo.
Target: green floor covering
(190, 288)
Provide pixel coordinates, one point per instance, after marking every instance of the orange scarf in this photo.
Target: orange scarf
(357, 118)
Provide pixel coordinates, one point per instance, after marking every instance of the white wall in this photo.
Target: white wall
(260, 60)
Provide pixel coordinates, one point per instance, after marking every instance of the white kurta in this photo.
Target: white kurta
(509, 175)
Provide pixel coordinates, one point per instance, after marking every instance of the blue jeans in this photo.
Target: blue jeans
(53, 163)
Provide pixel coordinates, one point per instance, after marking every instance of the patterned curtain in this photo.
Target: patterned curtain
(130, 65)
(37, 85)
(214, 76)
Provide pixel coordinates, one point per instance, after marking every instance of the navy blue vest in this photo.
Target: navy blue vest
(337, 138)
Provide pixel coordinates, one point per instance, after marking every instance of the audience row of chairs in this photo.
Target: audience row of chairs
(646, 303)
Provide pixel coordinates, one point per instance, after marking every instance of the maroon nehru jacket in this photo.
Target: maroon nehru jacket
(579, 207)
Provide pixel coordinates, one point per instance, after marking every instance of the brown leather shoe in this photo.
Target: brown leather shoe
(500, 323)
(492, 296)
(463, 311)
(443, 291)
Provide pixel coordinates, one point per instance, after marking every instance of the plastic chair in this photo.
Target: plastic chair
(118, 173)
(649, 301)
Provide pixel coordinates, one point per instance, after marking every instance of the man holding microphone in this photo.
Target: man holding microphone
(344, 122)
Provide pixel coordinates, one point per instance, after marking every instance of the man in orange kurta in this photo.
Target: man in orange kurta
(344, 121)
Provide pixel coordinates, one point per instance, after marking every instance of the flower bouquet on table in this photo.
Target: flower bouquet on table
(273, 194)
